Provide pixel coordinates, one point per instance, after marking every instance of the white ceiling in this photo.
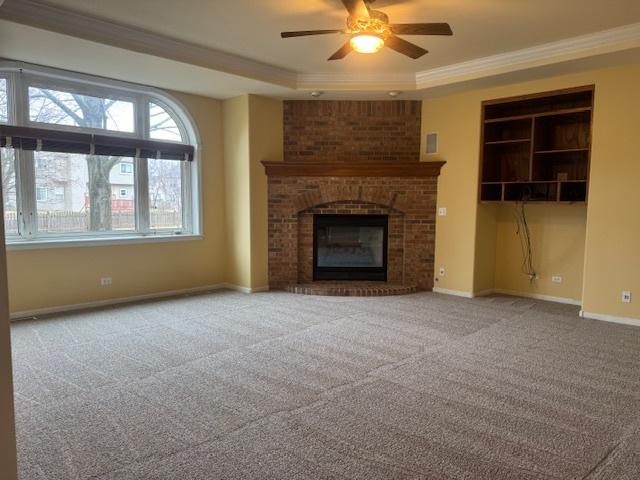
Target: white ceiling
(249, 29)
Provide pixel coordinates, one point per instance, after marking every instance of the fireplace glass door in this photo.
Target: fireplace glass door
(350, 247)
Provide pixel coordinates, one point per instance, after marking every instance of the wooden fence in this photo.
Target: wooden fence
(69, 222)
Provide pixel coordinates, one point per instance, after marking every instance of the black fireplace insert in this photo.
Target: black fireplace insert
(350, 247)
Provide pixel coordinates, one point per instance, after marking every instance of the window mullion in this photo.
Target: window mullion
(142, 195)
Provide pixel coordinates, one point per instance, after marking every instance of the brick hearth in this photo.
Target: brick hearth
(351, 289)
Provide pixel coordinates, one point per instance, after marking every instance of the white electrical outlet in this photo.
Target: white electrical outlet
(441, 272)
(105, 281)
(556, 279)
(626, 296)
(442, 211)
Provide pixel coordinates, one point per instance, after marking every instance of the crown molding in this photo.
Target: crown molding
(38, 14)
(60, 20)
(606, 41)
(356, 81)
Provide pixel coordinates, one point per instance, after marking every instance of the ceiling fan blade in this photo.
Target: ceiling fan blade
(404, 47)
(304, 33)
(356, 8)
(421, 29)
(342, 52)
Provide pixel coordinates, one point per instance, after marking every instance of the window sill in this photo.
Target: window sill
(98, 241)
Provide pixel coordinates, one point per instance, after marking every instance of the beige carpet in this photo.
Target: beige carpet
(282, 386)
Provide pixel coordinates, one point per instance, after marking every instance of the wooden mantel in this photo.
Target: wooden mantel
(355, 169)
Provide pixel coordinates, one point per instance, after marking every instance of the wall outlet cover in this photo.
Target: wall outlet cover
(556, 279)
(104, 281)
(442, 211)
(626, 296)
(441, 272)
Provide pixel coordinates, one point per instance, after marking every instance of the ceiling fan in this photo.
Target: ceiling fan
(369, 30)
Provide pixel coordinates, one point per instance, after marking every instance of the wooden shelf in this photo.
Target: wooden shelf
(537, 148)
(507, 142)
(533, 181)
(561, 150)
(566, 111)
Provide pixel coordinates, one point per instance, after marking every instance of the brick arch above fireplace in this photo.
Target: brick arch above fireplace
(328, 194)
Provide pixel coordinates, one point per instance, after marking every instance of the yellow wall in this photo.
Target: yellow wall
(464, 237)
(252, 133)
(558, 237)
(457, 121)
(612, 261)
(237, 191)
(47, 278)
(484, 275)
(266, 143)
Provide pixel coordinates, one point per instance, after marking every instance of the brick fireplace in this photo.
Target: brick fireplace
(323, 181)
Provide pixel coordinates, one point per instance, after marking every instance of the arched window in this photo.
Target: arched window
(85, 158)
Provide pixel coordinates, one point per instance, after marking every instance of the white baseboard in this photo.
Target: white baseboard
(483, 293)
(537, 296)
(239, 288)
(134, 298)
(457, 293)
(115, 301)
(611, 318)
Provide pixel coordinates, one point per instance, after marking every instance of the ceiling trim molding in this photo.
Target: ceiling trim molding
(38, 14)
(60, 20)
(607, 41)
(350, 81)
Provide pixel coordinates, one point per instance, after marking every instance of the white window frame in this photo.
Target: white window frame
(20, 76)
(124, 170)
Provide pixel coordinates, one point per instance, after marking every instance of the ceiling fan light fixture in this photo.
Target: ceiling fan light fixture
(367, 42)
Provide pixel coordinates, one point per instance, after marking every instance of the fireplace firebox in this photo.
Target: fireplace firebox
(350, 247)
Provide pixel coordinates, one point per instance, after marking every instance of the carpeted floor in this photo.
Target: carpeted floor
(282, 386)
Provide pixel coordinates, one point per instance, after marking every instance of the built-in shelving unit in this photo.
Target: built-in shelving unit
(537, 147)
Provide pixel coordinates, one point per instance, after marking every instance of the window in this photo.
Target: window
(73, 109)
(42, 194)
(59, 194)
(162, 125)
(4, 103)
(9, 191)
(165, 194)
(137, 179)
(82, 212)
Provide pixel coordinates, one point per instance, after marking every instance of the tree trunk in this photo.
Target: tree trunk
(99, 192)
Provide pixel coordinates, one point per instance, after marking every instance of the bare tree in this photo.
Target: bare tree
(8, 172)
(164, 184)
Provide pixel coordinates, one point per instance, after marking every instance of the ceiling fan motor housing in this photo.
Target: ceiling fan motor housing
(377, 23)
